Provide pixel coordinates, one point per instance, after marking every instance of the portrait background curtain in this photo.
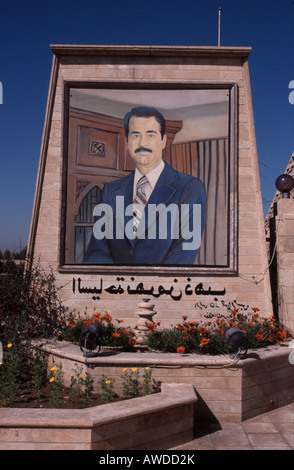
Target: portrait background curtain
(208, 161)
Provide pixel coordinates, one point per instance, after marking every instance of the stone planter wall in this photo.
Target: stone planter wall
(158, 421)
(228, 390)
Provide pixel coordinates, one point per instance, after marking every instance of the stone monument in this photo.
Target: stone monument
(205, 98)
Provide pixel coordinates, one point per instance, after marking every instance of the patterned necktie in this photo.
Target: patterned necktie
(140, 200)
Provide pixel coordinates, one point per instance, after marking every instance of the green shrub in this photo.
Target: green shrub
(29, 308)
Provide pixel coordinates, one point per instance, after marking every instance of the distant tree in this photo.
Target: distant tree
(23, 253)
(7, 254)
(1, 254)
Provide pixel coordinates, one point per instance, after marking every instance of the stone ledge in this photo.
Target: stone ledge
(120, 425)
(114, 357)
(149, 51)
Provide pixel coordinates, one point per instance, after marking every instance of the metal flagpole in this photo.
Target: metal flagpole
(219, 27)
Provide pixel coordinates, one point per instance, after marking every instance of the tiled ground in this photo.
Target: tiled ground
(270, 431)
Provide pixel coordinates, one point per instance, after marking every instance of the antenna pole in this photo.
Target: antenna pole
(219, 27)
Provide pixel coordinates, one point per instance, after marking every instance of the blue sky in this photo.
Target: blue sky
(27, 28)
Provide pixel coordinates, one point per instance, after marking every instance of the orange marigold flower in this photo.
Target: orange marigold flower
(124, 331)
(281, 336)
(116, 335)
(255, 309)
(192, 323)
(184, 317)
(203, 331)
(181, 350)
(259, 336)
(220, 331)
(107, 317)
(119, 321)
(87, 322)
(96, 317)
(132, 341)
(152, 326)
(71, 324)
(204, 342)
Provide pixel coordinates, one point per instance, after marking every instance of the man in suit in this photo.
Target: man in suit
(155, 215)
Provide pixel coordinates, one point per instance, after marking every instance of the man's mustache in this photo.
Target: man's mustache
(142, 149)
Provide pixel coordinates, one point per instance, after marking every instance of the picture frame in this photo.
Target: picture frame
(201, 129)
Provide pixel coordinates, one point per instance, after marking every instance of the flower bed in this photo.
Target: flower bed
(187, 336)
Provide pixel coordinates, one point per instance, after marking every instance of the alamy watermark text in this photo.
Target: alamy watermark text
(164, 222)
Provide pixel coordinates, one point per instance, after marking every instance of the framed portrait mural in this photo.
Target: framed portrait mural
(189, 216)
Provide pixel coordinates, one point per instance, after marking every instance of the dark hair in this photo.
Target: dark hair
(144, 111)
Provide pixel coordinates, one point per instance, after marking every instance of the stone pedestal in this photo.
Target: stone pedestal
(145, 312)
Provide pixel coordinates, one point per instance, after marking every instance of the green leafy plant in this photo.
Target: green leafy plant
(56, 381)
(9, 377)
(107, 389)
(39, 373)
(29, 308)
(135, 384)
(81, 388)
(146, 386)
(131, 383)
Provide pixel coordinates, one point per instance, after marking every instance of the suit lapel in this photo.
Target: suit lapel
(121, 198)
